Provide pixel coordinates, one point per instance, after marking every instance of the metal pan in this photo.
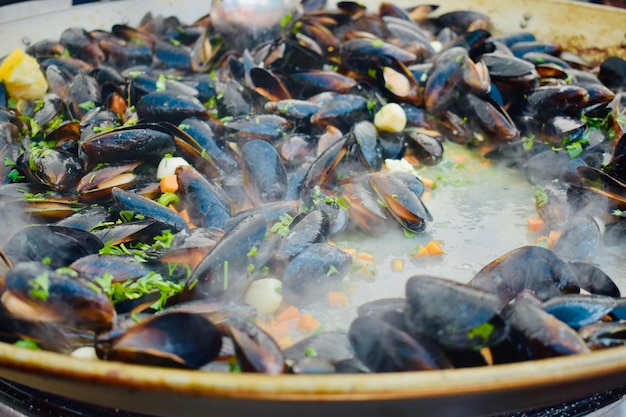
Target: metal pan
(479, 214)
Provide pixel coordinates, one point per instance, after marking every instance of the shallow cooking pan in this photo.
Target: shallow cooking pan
(483, 219)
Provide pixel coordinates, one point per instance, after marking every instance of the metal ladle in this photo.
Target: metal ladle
(246, 23)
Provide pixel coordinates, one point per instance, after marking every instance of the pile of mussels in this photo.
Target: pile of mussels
(284, 153)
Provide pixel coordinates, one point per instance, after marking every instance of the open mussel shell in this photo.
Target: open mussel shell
(579, 310)
(401, 194)
(537, 334)
(39, 293)
(604, 334)
(178, 339)
(255, 349)
(97, 185)
(457, 316)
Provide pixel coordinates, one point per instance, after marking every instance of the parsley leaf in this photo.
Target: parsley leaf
(39, 287)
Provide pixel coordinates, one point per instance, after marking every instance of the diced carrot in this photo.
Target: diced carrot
(277, 328)
(308, 322)
(487, 355)
(411, 159)
(171, 207)
(397, 265)
(350, 251)
(365, 257)
(284, 342)
(185, 215)
(169, 184)
(288, 313)
(434, 248)
(419, 252)
(536, 224)
(459, 159)
(429, 183)
(554, 236)
(337, 298)
(365, 269)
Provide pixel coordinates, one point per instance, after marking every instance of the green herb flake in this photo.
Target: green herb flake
(126, 215)
(66, 271)
(481, 332)
(87, 105)
(378, 43)
(541, 197)
(234, 367)
(38, 105)
(28, 344)
(528, 142)
(225, 275)
(371, 105)
(281, 228)
(574, 149)
(161, 83)
(168, 198)
(310, 352)
(15, 176)
(295, 29)
(164, 240)
(254, 251)
(39, 287)
(284, 22)
(134, 289)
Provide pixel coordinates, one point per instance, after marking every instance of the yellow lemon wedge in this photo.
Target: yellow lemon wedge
(22, 76)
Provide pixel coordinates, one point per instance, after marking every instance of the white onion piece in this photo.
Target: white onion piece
(167, 166)
(85, 352)
(390, 118)
(265, 295)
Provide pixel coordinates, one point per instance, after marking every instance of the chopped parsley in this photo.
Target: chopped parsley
(39, 287)
(28, 344)
(281, 227)
(134, 289)
(541, 197)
